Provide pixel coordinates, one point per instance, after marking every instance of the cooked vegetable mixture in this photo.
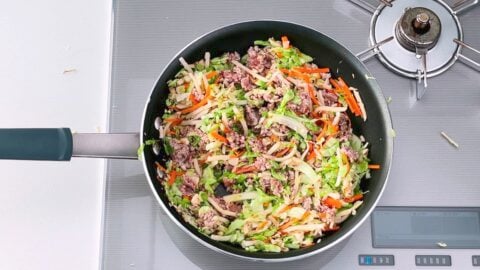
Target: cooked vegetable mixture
(261, 148)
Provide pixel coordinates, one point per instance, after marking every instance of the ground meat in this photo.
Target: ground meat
(252, 116)
(236, 76)
(256, 145)
(247, 83)
(227, 77)
(189, 185)
(351, 154)
(207, 220)
(276, 187)
(259, 59)
(270, 185)
(181, 154)
(305, 105)
(344, 126)
(272, 99)
(235, 140)
(232, 206)
(262, 164)
(325, 209)
(329, 98)
(185, 131)
(235, 56)
(307, 203)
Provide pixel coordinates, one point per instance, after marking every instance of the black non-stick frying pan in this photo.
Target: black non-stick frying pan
(60, 144)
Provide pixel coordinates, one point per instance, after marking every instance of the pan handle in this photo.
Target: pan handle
(61, 145)
(106, 145)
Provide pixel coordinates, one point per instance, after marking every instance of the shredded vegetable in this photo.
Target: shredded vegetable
(262, 152)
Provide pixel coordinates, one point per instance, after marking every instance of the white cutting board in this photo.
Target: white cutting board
(50, 212)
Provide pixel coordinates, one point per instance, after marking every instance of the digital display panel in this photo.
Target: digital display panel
(426, 227)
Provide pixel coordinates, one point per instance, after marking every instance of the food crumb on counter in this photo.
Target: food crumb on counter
(450, 140)
(69, 70)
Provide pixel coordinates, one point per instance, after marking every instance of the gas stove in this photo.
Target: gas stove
(422, 53)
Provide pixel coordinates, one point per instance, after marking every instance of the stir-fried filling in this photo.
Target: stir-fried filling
(271, 128)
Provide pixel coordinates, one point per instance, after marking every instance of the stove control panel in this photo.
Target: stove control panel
(476, 260)
(376, 260)
(433, 260)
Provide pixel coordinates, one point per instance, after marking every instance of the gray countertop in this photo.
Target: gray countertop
(137, 235)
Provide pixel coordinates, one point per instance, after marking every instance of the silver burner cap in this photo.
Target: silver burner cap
(418, 29)
(430, 29)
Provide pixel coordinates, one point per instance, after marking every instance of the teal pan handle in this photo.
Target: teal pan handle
(59, 144)
(36, 144)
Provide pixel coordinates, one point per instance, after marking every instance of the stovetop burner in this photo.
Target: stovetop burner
(423, 35)
(418, 29)
(417, 41)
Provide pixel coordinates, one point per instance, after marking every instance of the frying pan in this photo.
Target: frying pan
(60, 144)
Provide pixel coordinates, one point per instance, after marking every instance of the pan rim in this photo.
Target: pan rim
(389, 153)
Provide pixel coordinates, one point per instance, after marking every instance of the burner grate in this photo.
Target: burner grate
(403, 34)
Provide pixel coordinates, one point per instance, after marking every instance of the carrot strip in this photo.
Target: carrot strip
(218, 137)
(322, 215)
(226, 129)
(341, 87)
(304, 216)
(262, 224)
(326, 126)
(354, 198)
(211, 74)
(333, 203)
(274, 138)
(312, 70)
(335, 84)
(299, 75)
(374, 166)
(282, 152)
(288, 224)
(311, 154)
(296, 74)
(174, 120)
(285, 42)
(237, 154)
(245, 169)
(192, 98)
(355, 107)
(334, 228)
(160, 167)
(311, 93)
(279, 54)
(200, 103)
(286, 208)
(172, 176)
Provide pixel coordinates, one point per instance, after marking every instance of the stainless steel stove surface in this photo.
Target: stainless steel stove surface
(427, 170)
